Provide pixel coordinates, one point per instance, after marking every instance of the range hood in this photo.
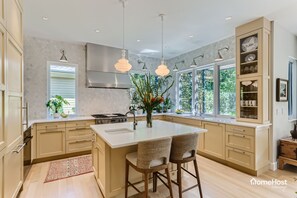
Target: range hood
(100, 68)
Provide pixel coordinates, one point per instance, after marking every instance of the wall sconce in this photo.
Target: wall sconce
(175, 69)
(144, 65)
(219, 55)
(194, 64)
(63, 58)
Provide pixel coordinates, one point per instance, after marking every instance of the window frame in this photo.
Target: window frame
(293, 116)
(216, 68)
(49, 63)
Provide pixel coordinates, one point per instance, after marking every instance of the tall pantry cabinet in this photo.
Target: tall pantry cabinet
(11, 97)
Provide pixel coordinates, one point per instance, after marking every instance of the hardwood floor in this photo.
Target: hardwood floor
(218, 181)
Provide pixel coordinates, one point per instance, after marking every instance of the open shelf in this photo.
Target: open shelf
(249, 52)
(250, 62)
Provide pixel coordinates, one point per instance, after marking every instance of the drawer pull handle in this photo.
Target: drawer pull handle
(238, 130)
(238, 151)
(79, 128)
(50, 132)
(79, 141)
(56, 126)
(238, 135)
(20, 148)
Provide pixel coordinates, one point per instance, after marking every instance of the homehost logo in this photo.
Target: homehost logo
(272, 182)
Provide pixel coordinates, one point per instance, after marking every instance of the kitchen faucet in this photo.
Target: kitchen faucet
(196, 110)
(132, 111)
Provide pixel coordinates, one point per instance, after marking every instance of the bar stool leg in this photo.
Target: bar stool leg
(169, 182)
(198, 178)
(155, 182)
(179, 181)
(146, 181)
(126, 179)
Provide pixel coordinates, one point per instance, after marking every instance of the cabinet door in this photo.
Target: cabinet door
(95, 157)
(214, 139)
(2, 137)
(2, 12)
(14, 20)
(2, 55)
(13, 174)
(14, 119)
(50, 142)
(1, 172)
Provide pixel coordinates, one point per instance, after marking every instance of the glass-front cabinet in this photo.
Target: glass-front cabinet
(249, 53)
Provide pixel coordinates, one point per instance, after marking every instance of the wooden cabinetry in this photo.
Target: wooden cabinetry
(213, 141)
(253, 71)
(288, 152)
(14, 20)
(50, 139)
(13, 169)
(2, 172)
(59, 138)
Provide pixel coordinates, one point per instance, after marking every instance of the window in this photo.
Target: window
(212, 92)
(292, 89)
(227, 90)
(205, 89)
(62, 81)
(185, 91)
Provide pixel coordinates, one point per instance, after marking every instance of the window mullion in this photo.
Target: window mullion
(216, 90)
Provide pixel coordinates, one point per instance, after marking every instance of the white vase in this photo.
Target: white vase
(56, 115)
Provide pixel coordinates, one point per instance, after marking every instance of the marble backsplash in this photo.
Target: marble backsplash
(90, 100)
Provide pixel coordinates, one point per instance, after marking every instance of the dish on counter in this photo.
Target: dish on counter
(250, 44)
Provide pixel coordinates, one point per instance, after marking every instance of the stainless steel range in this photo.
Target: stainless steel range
(109, 118)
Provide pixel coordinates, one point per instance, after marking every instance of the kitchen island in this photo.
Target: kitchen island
(112, 143)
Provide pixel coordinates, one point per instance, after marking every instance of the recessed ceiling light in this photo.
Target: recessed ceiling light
(45, 18)
(97, 31)
(191, 36)
(138, 40)
(228, 18)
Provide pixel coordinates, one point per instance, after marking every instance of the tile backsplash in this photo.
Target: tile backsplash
(90, 100)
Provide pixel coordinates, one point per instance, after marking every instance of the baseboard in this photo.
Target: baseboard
(273, 166)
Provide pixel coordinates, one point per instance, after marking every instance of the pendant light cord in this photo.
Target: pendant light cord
(123, 1)
(162, 15)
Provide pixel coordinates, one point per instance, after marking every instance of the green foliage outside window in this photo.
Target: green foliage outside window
(185, 91)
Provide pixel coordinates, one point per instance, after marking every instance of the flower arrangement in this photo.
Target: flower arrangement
(151, 93)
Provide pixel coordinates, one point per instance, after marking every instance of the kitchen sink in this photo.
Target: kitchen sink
(120, 130)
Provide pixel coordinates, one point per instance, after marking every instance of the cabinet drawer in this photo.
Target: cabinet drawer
(78, 133)
(240, 157)
(51, 126)
(78, 145)
(79, 124)
(240, 141)
(240, 129)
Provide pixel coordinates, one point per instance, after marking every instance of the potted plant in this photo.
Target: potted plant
(167, 104)
(55, 105)
(151, 93)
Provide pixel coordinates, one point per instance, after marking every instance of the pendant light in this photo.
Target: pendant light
(123, 64)
(162, 69)
(63, 58)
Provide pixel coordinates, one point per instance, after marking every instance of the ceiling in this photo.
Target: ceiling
(188, 24)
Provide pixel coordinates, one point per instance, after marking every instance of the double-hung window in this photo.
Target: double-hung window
(208, 90)
(62, 81)
(292, 89)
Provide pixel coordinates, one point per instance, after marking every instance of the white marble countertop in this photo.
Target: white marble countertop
(51, 119)
(212, 119)
(160, 129)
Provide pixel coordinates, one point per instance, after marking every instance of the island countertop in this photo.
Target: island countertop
(119, 135)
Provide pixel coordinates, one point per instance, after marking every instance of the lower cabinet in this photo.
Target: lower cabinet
(50, 142)
(240, 157)
(13, 166)
(213, 141)
(73, 146)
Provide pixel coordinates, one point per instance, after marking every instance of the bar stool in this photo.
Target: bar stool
(152, 156)
(183, 150)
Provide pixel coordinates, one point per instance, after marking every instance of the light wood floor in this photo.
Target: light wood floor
(218, 181)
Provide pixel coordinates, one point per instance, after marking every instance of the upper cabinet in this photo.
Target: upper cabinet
(253, 71)
(2, 12)
(14, 20)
